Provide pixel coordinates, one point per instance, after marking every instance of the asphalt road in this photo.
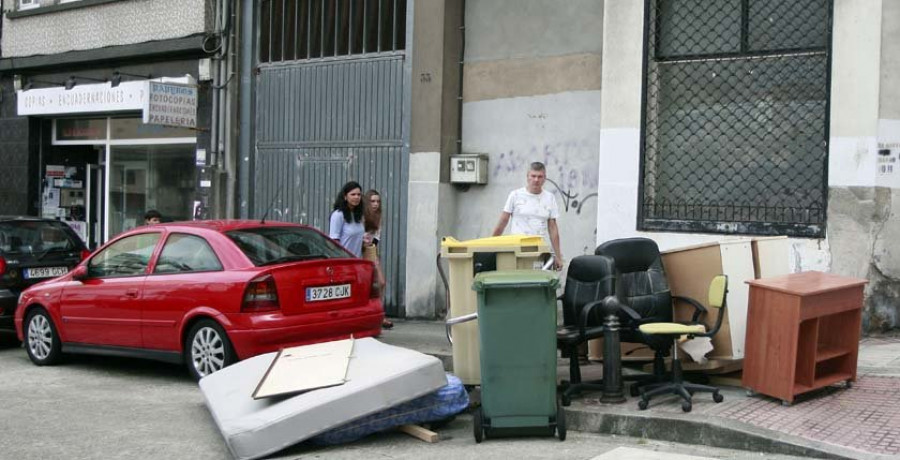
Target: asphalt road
(111, 408)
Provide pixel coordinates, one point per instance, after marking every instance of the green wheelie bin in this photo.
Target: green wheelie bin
(517, 330)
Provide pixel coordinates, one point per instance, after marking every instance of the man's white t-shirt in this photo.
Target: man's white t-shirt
(530, 212)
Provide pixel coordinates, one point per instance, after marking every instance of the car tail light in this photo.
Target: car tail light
(375, 292)
(85, 253)
(260, 295)
(2, 265)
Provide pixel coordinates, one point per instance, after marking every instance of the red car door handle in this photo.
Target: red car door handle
(133, 293)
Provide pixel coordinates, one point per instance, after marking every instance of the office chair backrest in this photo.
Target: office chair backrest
(717, 290)
(589, 278)
(642, 281)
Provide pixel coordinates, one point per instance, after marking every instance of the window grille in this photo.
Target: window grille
(735, 124)
(309, 29)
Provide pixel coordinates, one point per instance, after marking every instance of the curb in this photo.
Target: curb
(715, 432)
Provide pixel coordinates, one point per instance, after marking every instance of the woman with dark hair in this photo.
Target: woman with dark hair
(346, 223)
(372, 224)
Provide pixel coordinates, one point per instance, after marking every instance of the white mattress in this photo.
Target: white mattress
(379, 376)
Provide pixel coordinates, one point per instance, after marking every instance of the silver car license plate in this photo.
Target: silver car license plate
(317, 293)
(45, 272)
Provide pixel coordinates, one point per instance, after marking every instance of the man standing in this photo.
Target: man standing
(534, 211)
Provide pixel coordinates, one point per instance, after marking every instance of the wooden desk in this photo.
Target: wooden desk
(802, 333)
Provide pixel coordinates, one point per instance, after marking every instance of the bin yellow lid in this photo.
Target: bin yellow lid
(494, 241)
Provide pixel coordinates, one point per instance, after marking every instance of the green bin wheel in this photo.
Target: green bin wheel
(478, 425)
(560, 423)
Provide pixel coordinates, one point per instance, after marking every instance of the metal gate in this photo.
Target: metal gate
(322, 123)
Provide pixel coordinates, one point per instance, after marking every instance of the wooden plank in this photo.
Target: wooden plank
(422, 433)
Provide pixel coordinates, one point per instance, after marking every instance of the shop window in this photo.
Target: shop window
(135, 128)
(80, 129)
(308, 29)
(735, 125)
(144, 177)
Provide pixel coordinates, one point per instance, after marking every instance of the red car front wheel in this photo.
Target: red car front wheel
(41, 340)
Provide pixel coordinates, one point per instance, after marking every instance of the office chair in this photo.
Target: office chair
(718, 289)
(589, 280)
(643, 290)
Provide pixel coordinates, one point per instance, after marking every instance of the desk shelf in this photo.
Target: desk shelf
(802, 333)
(826, 353)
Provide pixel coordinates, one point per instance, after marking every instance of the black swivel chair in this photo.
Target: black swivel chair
(589, 280)
(643, 290)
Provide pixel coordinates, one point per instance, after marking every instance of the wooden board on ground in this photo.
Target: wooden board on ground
(422, 433)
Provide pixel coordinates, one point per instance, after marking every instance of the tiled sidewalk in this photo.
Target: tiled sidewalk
(865, 417)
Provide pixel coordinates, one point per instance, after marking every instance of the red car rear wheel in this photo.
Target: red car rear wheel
(207, 349)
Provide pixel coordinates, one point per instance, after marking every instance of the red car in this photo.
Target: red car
(205, 293)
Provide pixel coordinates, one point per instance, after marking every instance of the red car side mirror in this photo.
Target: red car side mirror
(80, 273)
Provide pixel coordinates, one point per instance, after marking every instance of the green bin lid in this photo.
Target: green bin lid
(513, 278)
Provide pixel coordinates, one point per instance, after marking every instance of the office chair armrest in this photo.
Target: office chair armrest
(585, 314)
(699, 309)
(632, 315)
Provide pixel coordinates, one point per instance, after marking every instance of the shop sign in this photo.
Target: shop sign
(171, 104)
(82, 99)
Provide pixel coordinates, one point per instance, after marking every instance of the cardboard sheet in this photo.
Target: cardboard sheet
(298, 369)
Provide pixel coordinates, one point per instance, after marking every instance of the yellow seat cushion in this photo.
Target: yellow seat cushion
(672, 328)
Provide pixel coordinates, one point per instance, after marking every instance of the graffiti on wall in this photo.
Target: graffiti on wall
(570, 166)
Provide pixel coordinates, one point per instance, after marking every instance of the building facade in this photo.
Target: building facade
(659, 118)
(77, 146)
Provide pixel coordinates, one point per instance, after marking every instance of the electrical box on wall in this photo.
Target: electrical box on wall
(468, 169)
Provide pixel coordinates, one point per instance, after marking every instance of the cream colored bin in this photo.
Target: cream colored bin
(512, 252)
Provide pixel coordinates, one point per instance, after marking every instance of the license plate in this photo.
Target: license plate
(338, 291)
(45, 272)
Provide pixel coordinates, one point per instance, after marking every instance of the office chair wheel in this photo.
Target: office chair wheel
(478, 425)
(642, 404)
(634, 390)
(686, 406)
(566, 400)
(717, 397)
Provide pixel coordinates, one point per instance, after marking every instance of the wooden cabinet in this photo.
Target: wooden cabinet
(802, 333)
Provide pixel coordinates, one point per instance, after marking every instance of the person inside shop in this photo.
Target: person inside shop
(371, 250)
(152, 217)
(531, 210)
(346, 223)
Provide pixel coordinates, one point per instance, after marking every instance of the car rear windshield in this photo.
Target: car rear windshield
(34, 236)
(271, 245)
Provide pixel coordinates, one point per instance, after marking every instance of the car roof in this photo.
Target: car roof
(222, 226)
